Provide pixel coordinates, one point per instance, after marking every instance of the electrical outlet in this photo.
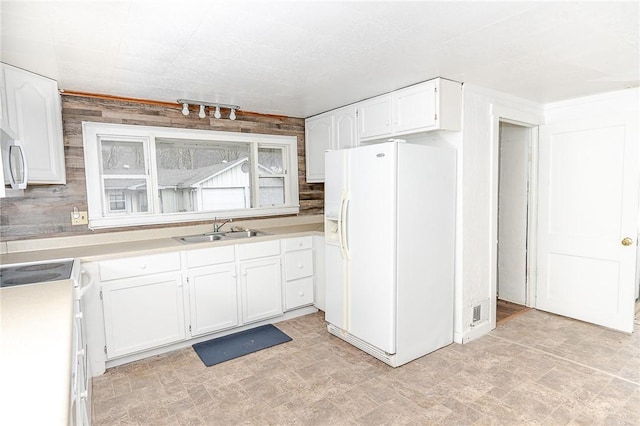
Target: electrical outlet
(79, 218)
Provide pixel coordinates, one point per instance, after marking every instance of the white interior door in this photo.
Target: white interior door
(512, 212)
(588, 203)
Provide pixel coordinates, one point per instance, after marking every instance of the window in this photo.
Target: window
(143, 175)
(116, 201)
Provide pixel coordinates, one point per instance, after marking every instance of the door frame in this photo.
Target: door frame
(501, 113)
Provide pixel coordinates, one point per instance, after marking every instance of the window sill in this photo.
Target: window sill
(144, 219)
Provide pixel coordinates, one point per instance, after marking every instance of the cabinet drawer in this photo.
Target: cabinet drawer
(298, 264)
(298, 293)
(299, 243)
(262, 249)
(210, 256)
(139, 265)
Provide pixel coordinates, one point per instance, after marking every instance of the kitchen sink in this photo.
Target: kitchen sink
(220, 236)
(244, 234)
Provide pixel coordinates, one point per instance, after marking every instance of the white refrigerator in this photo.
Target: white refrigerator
(390, 234)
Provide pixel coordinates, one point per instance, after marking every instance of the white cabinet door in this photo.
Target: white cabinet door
(34, 116)
(337, 129)
(374, 117)
(414, 108)
(298, 264)
(261, 289)
(143, 313)
(318, 134)
(213, 298)
(298, 293)
(345, 128)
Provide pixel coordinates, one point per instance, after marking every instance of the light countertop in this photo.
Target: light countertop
(90, 249)
(35, 353)
(36, 320)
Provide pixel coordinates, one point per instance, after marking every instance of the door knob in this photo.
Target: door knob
(627, 241)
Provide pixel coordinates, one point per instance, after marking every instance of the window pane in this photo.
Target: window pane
(126, 196)
(122, 158)
(202, 176)
(271, 191)
(270, 161)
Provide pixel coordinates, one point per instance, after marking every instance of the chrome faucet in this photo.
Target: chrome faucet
(216, 226)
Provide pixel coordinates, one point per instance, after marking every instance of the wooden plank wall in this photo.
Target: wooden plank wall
(45, 210)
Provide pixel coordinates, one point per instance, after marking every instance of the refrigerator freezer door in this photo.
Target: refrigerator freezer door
(335, 270)
(335, 263)
(335, 184)
(370, 234)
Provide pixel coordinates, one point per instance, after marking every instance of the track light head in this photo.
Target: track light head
(202, 111)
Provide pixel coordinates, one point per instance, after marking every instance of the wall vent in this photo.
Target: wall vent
(477, 310)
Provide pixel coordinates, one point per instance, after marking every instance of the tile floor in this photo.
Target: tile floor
(537, 368)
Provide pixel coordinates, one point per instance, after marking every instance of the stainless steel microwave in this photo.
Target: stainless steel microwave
(13, 166)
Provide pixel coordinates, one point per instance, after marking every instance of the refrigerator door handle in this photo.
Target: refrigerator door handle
(344, 214)
(340, 222)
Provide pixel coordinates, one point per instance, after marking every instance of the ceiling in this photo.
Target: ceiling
(300, 58)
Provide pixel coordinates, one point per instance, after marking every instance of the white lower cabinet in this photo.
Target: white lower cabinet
(261, 284)
(157, 300)
(298, 293)
(298, 272)
(143, 313)
(213, 298)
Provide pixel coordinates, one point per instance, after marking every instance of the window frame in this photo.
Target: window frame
(98, 203)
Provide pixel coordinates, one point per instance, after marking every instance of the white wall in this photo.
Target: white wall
(454, 141)
(479, 204)
(475, 263)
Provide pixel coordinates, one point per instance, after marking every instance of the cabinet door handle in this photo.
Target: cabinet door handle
(301, 293)
(144, 266)
(300, 266)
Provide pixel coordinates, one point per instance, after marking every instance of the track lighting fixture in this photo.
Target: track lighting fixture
(203, 105)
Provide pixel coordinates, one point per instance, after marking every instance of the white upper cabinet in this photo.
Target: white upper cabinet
(375, 117)
(318, 137)
(31, 112)
(345, 127)
(433, 105)
(414, 107)
(335, 129)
